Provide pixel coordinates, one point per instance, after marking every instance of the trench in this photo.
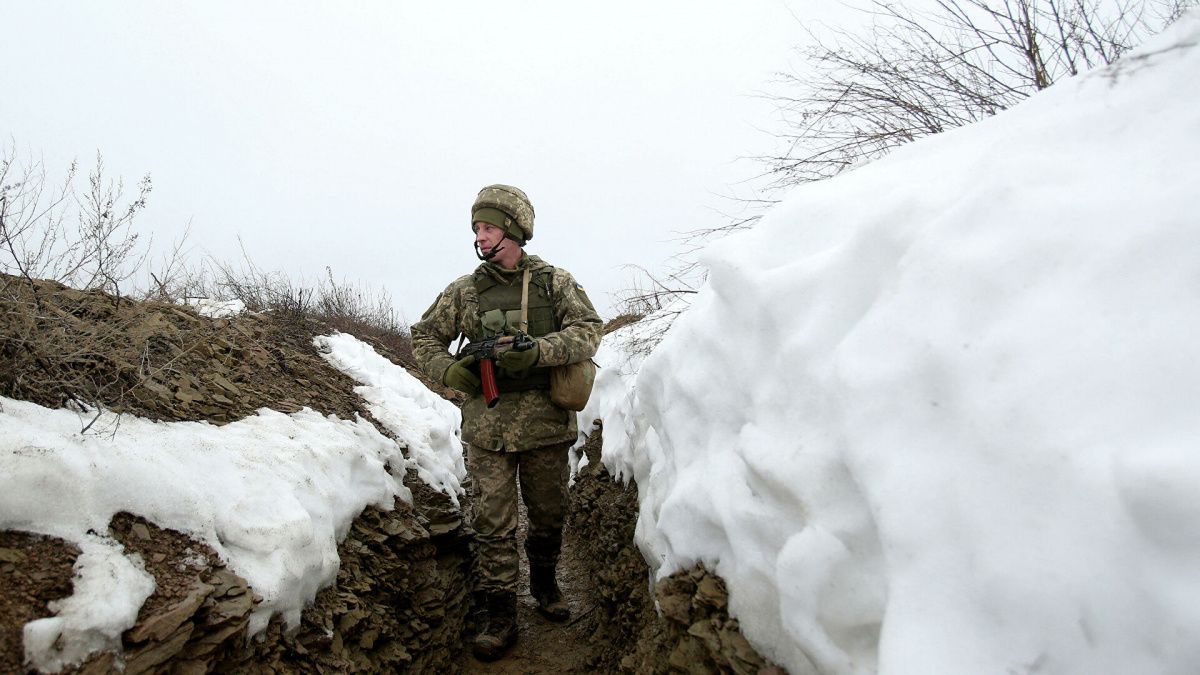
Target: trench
(401, 599)
(401, 602)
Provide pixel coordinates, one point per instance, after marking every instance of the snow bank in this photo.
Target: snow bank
(428, 425)
(939, 414)
(271, 494)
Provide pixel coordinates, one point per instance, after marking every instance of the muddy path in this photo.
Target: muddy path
(543, 646)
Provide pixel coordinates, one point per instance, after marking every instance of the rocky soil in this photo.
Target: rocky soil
(694, 633)
(401, 601)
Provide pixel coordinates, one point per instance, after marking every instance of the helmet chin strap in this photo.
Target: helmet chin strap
(486, 257)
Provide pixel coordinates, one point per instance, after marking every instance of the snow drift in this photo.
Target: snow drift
(939, 414)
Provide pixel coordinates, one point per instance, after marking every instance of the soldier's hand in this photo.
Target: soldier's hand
(458, 376)
(516, 363)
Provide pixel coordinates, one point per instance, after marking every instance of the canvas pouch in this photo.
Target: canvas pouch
(571, 385)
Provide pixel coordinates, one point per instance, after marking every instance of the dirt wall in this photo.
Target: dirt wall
(693, 634)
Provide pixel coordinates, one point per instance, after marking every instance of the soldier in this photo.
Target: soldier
(525, 436)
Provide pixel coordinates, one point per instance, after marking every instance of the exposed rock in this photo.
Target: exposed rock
(398, 605)
(160, 626)
(158, 652)
(694, 633)
(158, 360)
(35, 571)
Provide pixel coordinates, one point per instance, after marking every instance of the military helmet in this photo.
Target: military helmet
(512, 202)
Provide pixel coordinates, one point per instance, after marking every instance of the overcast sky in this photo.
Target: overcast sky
(355, 135)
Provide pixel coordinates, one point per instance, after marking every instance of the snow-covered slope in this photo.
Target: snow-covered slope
(940, 414)
(272, 494)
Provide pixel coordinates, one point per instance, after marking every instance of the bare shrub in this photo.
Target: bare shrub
(258, 290)
(345, 301)
(912, 74)
(908, 74)
(656, 303)
(64, 255)
(363, 312)
(333, 304)
(169, 275)
(54, 231)
(86, 350)
(68, 336)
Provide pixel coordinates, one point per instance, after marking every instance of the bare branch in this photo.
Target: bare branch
(100, 252)
(910, 74)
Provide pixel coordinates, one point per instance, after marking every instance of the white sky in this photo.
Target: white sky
(356, 135)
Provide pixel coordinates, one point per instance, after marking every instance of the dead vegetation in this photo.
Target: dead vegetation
(71, 334)
(855, 94)
(92, 351)
(910, 73)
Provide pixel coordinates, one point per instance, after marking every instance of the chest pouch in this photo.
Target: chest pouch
(494, 321)
(521, 307)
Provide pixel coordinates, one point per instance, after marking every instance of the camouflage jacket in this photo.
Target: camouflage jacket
(523, 419)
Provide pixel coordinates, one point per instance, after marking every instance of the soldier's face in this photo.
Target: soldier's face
(488, 236)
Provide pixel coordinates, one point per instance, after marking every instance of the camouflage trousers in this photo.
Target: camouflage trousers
(543, 474)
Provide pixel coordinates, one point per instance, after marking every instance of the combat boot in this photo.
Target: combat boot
(544, 588)
(498, 626)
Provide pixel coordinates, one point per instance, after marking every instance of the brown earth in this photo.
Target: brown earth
(34, 570)
(401, 600)
(695, 633)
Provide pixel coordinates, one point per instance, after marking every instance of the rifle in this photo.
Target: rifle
(485, 353)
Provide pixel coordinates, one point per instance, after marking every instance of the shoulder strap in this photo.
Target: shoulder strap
(524, 325)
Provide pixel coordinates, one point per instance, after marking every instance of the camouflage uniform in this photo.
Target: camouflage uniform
(526, 436)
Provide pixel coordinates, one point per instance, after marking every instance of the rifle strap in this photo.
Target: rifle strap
(524, 325)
